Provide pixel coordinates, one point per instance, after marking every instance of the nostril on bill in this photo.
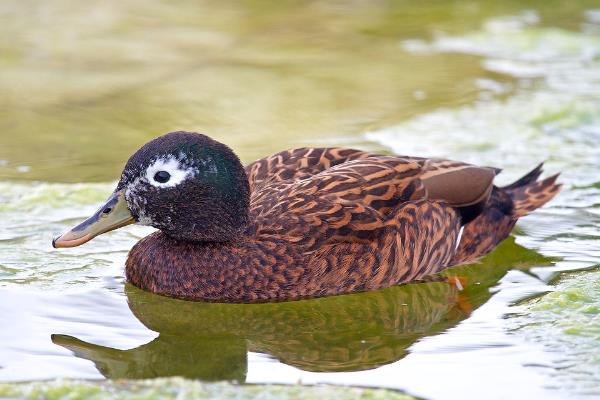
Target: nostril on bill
(107, 210)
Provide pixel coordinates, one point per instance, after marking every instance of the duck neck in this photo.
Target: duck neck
(215, 213)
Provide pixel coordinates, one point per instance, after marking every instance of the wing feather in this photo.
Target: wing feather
(319, 196)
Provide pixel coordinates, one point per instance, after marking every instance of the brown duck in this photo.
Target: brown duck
(302, 223)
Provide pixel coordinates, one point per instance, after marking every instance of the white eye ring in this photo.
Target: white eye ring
(172, 166)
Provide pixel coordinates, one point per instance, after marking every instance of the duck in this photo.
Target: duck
(303, 223)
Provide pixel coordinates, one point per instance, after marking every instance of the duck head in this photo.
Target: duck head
(186, 184)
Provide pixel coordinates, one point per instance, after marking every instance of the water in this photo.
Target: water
(506, 84)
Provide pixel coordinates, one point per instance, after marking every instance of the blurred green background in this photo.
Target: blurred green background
(84, 84)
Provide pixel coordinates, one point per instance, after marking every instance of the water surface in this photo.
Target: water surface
(506, 84)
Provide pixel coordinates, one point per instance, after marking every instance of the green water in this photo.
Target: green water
(176, 388)
(501, 83)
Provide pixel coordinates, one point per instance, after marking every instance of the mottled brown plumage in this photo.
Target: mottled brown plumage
(326, 221)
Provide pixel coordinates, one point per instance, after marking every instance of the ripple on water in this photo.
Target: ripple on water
(568, 321)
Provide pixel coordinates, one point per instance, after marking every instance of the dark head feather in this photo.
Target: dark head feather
(206, 197)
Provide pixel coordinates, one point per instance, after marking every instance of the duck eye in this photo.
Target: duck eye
(162, 176)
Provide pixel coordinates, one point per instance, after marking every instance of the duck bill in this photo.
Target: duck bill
(112, 215)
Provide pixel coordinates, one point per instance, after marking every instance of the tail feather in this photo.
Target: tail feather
(532, 194)
(528, 178)
(505, 206)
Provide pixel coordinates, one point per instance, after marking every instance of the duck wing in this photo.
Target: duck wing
(353, 200)
(295, 164)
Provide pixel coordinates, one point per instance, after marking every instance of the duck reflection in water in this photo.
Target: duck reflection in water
(210, 341)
